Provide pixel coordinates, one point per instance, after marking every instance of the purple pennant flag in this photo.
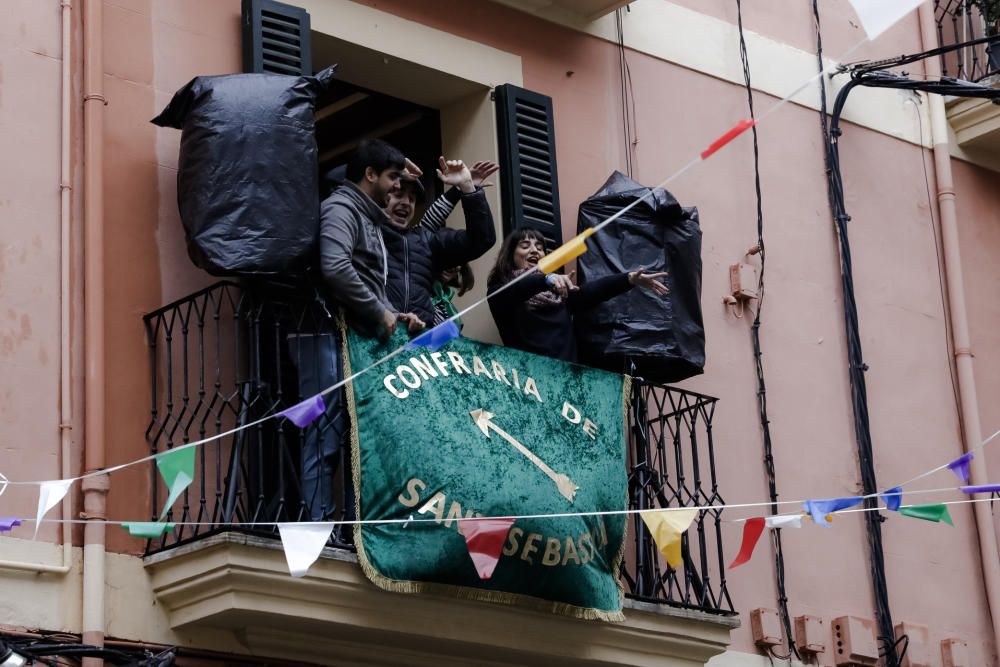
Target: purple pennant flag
(892, 498)
(8, 522)
(436, 338)
(960, 466)
(818, 509)
(304, 413)
(981, 488)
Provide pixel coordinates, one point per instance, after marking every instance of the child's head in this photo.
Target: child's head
(459, 277)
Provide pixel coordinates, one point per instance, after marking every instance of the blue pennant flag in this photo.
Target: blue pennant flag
(818, 509)
(892, 498)
(436, 338)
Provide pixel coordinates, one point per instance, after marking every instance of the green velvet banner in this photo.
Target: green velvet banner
(481, 430)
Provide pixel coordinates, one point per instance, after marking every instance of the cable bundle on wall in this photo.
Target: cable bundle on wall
(772, 486)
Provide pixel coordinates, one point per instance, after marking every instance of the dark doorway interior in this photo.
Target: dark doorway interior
(349, 113)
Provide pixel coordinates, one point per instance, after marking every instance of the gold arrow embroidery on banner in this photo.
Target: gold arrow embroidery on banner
(484, 420)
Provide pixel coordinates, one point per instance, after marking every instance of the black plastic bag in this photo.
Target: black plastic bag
(247, 181)
(663, 336)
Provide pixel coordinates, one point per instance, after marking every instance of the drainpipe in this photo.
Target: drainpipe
(957, 315)
(95, 489)
(65, 297)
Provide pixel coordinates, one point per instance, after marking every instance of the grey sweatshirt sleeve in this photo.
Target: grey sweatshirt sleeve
(339, 230)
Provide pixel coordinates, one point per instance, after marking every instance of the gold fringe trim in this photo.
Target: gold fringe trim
(449, 590)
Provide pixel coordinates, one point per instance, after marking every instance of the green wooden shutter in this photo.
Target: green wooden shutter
(276, 38)
(529, 186)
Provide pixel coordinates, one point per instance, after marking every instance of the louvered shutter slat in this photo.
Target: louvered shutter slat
(276, 38)
(528, 185)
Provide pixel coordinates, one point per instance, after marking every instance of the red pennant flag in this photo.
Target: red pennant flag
(752, 528)
(485, 538)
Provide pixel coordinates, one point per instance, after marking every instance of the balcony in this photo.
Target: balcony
(976, 122)
(220, 358)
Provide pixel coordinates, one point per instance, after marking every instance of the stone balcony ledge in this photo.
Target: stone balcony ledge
(333, 615)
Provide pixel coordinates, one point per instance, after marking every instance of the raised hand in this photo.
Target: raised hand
(410, 167)
(483, 170)
(454, 172)
(650, 281)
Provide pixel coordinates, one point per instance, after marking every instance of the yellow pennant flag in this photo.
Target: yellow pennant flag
(564, 253)
(666, 529)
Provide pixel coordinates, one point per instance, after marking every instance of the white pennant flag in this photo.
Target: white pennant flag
(49, 495)
(877, 16)
(784, 521)
(303, 543)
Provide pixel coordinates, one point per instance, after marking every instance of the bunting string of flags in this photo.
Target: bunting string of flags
(304, 541)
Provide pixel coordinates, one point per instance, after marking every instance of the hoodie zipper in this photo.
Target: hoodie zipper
(406, 274)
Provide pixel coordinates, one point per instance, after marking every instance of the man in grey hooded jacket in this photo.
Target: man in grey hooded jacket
(354, 265)
(352, 252)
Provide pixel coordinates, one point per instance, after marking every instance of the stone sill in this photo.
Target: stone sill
(976, 123)
(333, 615)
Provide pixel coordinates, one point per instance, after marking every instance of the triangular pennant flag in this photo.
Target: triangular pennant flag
(752, 529)
(819, 509)
(564, 253)
(304, 413)
(177, 468)
(484, 539)
(49, 495)
(981, 488)
(8, 523)
(960, 466)
(892, 498)
(436, 338)
(936, 512)
(877, 16)
(303, 543)
(666, 529)
(784, 521)
(150, 529)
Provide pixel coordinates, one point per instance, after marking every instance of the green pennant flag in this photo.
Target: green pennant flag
(150, 529)
(480, 430)
(935, 512)
(176, 466)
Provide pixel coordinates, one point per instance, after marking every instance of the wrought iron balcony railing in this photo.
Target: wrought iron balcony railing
(222, 357)
(961, 21)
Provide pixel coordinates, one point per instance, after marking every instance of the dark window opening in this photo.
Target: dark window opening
(348, 113)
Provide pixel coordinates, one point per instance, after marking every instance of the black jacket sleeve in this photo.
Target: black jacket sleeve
(519, 292)
(600, 289)
(451, 247)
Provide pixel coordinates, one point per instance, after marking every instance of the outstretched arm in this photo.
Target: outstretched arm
(608, 287)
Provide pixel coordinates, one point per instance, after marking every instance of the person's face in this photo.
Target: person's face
(527, 252)
(402, 203)
(382, 183)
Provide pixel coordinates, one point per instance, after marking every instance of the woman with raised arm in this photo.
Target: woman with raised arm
(536, 313)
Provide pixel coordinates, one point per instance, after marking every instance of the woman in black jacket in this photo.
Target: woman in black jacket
(535, 314)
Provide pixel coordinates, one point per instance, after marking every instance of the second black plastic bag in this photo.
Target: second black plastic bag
(664, 337)
(247, 182)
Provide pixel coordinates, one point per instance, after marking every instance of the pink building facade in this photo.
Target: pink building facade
(92, 241)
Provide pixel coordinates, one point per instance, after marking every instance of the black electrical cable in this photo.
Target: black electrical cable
(627, 93)
(870, 74)
(765, 422)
